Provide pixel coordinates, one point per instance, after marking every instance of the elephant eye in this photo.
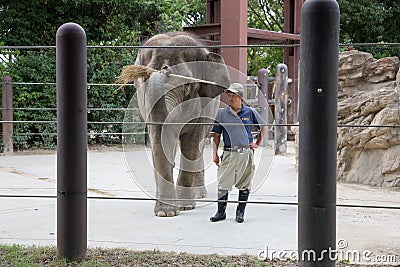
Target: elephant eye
(166, 68)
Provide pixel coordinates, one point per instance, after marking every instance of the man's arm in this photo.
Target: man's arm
(260, 138)
(216, 140)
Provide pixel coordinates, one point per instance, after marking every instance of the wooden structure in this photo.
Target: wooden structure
(226, 24)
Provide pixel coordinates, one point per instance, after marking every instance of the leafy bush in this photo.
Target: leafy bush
(37, 102)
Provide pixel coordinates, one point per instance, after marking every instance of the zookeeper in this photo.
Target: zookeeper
(237, 161)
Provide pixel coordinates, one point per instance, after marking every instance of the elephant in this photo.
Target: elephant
(178, 100)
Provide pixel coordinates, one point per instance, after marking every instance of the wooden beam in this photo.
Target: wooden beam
(259, 36)
(205, 30)
(255, 36)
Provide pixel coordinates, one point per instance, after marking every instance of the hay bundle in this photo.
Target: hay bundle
(132, 72)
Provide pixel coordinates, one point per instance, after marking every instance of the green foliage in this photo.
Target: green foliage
(18, 255)
(112, 22)
(266, 15)
(370, 21)
(175, 14)
(35, 22)
(39, 67)
(104, 66)
(34, 66)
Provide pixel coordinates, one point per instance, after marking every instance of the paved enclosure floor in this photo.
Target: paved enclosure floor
(132, 224)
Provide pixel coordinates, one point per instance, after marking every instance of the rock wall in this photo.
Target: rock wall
(368, 95)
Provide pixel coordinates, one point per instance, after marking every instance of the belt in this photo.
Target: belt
(236, 149)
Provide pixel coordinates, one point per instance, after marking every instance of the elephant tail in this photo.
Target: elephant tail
(132, 72)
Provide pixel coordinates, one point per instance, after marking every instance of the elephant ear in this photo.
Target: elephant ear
(216, 71)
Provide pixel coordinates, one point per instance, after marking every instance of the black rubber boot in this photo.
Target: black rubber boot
(243, 196)
(221, 215)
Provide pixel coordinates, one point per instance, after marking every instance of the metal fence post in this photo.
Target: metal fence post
(281, 101)
(262, 77)
(319, 54)
(71, 75)
(7, 114)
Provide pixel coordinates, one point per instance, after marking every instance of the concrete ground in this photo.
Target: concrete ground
(132, 224)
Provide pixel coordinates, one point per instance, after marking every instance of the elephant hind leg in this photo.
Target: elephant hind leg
(185, 194)
(200, 190)
(190, 184)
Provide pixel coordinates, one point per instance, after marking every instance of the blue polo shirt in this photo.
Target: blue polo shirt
(237, 135)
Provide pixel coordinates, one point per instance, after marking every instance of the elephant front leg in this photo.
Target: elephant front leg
(163, 149)
(166, 205)
(163, 156)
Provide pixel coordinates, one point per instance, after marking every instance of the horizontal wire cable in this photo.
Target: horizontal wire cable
(255, 195)
(272, 45)
(210, 123)
(202, 200)
(89, 133)
(88, 109)
(136, 191)
(88, 84)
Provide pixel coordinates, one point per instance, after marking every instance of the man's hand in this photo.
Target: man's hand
(260, 138)
(216, 159)
(253, 146)
(216, 139)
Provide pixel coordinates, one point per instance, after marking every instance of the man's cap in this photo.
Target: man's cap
(236, 88)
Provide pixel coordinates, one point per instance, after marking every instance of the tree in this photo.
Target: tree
(35, 22)
(370, 21)
(175, 14)
(111, 22)
(267, 15)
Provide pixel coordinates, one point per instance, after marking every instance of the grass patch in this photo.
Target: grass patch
(22, 256)
(27, 256)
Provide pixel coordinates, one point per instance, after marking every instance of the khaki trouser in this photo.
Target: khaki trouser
(236, 169)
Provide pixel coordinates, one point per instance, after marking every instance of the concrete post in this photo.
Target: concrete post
(7, 114)
(262, 77)
(281, 101)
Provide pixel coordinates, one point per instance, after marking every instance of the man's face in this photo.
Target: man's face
(234, 100)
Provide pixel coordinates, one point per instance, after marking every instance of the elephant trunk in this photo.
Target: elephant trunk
(154, 99)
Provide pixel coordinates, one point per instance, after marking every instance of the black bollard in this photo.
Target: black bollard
(71, 142)
(319, 52)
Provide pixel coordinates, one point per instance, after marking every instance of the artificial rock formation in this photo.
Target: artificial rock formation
(368, 95)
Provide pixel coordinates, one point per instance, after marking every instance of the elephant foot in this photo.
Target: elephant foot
(165, 210)
(200, 192)
(187, 205)
(186, 198)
